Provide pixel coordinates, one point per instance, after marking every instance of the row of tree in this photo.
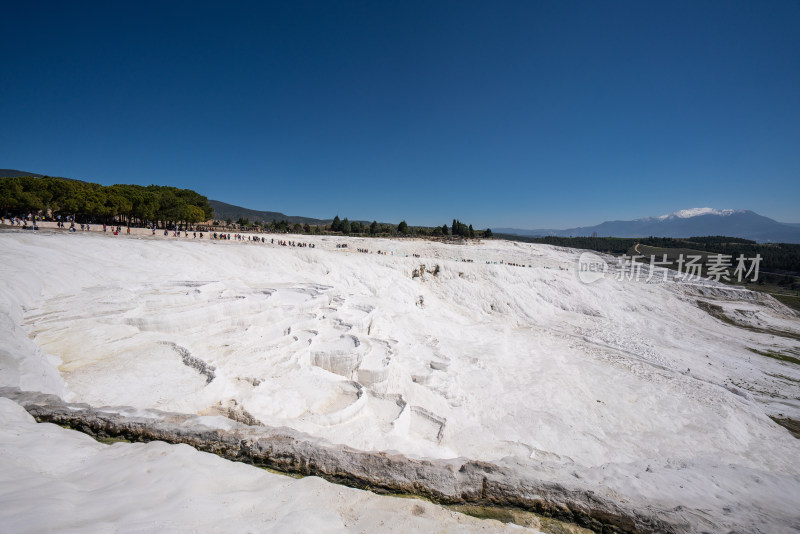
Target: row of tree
(143, 206)
(458, 229)
(346, 227)
(128, 204)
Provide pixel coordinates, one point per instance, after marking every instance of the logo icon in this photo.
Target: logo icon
(591, 267)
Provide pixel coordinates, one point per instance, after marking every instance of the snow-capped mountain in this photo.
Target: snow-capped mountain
(694, 212)
(684, 223)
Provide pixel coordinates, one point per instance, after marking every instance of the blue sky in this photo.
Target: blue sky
(527, 114)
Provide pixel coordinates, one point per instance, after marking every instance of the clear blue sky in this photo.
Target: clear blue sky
(528, 114)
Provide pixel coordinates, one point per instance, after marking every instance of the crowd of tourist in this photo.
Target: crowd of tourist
(29, 222)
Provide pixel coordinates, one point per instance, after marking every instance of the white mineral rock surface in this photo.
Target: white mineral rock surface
(57, 480)
(626, 388)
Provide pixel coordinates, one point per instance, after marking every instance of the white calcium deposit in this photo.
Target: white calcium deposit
(629, 389)
(56, 480)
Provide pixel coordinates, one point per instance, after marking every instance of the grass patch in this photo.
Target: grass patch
(717, 312)
(105, 440)
(111, 441)
(784, 377)
(284, 473)
(518, 517)
(792, 425)
(777, 356)
(503, 515)
(672, 253)
(787, 300)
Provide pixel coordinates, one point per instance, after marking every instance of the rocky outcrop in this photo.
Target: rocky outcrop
(232, 410)
(456, 481)
(189, 360)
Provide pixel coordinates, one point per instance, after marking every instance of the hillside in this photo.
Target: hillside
(11, 173)
(223, 211)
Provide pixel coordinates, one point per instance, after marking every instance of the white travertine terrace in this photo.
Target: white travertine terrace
(628, 389)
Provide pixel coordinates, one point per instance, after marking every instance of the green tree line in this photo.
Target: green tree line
(130, 204)
(459, 229)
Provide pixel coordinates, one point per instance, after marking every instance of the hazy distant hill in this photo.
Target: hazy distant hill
(223, 210)
(11, 173)
(684, 223)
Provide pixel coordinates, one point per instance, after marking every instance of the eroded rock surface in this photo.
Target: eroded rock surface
(456, 481)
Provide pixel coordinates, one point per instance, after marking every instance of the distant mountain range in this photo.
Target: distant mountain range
(11, 173)
(685, 223)
(223, 211)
